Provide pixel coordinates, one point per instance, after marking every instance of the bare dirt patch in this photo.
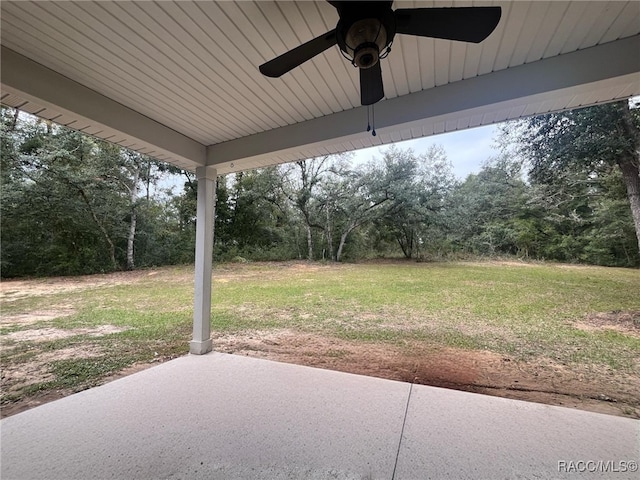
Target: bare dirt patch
(542, 381)
(16, 376)
(505, 263)
(623, 322)
(36, 316)
(12, 290)
(48, 334)
(30, 365)
(32, 401)
(37, 370)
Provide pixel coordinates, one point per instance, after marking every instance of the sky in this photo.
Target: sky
(466, 149)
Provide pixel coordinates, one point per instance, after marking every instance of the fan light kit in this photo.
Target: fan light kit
(366, 29)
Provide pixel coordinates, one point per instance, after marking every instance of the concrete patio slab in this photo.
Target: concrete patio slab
(220, 416)
(213, 416)
(458, 435)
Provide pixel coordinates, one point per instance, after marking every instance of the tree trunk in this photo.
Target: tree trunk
(14, 122)
(130, 239)
(329, 234)
(343, 240)
(631, 175)
(105, 234)
(405, 240)
(297, 235)
(133, 196)
(149, 178)
(630, 166)
(309, 243)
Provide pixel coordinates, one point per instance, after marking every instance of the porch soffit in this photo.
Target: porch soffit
(179, 80)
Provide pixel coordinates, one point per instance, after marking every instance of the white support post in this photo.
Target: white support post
(202, 342)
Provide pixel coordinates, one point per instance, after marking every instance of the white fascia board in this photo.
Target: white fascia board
(611, 64)
(38, 84)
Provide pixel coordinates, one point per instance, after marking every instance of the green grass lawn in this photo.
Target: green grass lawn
(523, 310)
(526, 311)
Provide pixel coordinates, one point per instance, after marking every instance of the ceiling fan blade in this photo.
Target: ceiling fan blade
(371, 88)
(290, 60)
(465, 24)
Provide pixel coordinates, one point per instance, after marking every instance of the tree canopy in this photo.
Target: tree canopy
(566, 187)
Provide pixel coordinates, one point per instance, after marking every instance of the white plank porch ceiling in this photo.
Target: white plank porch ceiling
(192, 66)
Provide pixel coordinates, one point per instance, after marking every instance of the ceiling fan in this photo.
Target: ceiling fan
(365, 33)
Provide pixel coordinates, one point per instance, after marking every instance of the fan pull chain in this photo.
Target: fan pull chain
(373, 119)
(370, 109)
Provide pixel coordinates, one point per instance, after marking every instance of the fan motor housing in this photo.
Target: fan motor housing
(365, 30)
(366, 55)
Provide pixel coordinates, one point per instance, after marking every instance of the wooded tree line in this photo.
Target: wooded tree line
(565, 187)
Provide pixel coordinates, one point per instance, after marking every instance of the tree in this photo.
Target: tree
(586, 143)
(417, 187)
(489, 213)
(351, 198)
(252, 214)
(364, 195)
(58, 215)
(128, 171)
(70, 203)
(300, 184)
